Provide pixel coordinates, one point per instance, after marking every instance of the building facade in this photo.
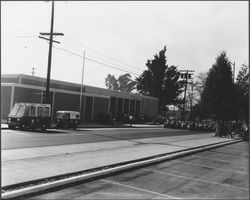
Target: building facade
(95, 102)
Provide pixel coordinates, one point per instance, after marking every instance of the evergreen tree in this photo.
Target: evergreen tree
(160, 81)
(218, 98)
(242, 84)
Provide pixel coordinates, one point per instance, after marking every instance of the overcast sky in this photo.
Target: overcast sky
(121, 34)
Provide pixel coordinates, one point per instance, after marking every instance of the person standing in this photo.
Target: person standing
(130, 120)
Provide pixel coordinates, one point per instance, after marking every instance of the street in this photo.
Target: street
(15, 139)
(217, 173)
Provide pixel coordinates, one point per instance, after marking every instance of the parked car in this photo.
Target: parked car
(67, 119)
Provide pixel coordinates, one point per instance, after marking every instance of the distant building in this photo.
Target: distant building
(66, 96)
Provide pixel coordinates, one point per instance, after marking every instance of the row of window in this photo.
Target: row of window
(37, 111)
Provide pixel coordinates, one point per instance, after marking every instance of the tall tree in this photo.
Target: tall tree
(111, 82)
(160, 81)
(199, 83)
(218, 96)
(126, 84)
(194, 91)
(242, 84)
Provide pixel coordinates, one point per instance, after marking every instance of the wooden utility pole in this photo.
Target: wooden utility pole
(47, 99)
(33, 71)
(80, 106)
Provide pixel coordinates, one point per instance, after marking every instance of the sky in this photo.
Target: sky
(120, 36)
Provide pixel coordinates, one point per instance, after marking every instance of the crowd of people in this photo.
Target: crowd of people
(230, 128)
(204, 125)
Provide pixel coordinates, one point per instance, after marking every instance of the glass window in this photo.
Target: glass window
(59, 115)
(32, 110)
(67, 115)
(46, 111)
(27, 112)
(40, 111)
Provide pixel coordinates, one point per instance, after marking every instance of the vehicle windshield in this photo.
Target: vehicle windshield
(18, 110)
(60, 115)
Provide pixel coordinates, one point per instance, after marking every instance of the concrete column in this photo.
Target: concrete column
(93, 107)
(123, 102)
(12, 97)
(109, 104)
(128, 106)
(116, 106)
(134, 108)
(84, 104)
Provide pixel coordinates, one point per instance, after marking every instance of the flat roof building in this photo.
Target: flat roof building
(95, 102)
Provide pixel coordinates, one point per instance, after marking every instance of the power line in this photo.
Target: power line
(106, 60)
(92, 60)
(118, 61)
(20, 36)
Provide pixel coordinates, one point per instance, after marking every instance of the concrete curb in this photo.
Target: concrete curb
(65, 181)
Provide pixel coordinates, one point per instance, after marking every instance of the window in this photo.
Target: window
(46, 111)
(40, 111)
(32, 110)
(67, 116)
(27, 111)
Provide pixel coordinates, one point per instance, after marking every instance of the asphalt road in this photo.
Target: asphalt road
(16, 139)
(217, 173)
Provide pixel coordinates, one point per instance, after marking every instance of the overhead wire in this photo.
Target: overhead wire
(95, 61)
(109, 57)
(20, 36)
(89, 59)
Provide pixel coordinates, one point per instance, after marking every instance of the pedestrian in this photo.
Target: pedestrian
(130, 120)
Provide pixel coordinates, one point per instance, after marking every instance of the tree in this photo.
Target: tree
(160, 81)
(126, 84)
(218, 97)
(194, 91)
(242, 85)
(199, 84)
(111, 82)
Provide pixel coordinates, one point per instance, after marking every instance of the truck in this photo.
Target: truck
(30, 116)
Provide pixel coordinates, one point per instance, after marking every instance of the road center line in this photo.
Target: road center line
(225, 170)
(196, 179)
(140, 189)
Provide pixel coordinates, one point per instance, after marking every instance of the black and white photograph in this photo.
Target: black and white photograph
(124, 100)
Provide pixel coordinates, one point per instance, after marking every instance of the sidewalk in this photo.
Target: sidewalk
(28, 164)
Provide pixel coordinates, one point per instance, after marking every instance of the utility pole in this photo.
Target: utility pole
(80, 109)
(47, 99)
(233, 71)
(185, 74)
(33, 71)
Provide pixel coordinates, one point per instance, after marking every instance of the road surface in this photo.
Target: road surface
(217, 173)
(16, 139)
